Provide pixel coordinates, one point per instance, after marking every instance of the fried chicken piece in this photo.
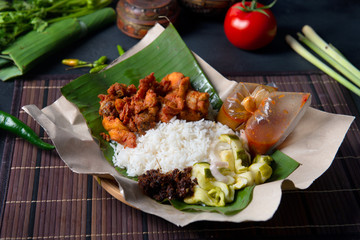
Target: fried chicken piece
(190, 115)
(144, 121)
(183, 101)
(107, 106)
(174, 102)
(150, 100)
(120, 90)
(124, 137)
(111, 122)
(145, 84)
(174, 79)
(115, 92)
(181, 91)
(146, 118)
(198, 101)
(126, 109)
(145, 111)
(168, 110)
(118, 132)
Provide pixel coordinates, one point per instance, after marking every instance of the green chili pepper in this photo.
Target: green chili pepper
(14, 125)
(73, 62)
(120, 50)
(76, 63)
(100, 61)
(97, 68)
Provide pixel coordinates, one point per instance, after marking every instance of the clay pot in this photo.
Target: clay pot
(207, 7)
(136, 17)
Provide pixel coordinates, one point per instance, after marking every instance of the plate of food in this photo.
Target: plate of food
(164, 132)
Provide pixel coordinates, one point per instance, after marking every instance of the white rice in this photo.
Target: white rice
(177, 144)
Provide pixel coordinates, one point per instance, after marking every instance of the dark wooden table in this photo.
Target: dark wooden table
(41, 198)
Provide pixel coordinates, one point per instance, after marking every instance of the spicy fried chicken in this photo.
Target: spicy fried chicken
(127, 110)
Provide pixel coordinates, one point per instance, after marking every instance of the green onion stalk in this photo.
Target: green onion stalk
(330, 54)
(330, 50)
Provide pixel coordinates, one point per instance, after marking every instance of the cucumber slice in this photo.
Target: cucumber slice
(237, 148)
(228, 191)
(228, 156)
(207, 173)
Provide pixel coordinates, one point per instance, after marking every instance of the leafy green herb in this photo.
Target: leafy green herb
(19, 17)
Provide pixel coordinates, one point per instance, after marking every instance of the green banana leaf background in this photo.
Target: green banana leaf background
(166, 54)
(32, 48)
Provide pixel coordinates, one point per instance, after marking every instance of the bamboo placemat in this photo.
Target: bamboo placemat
(42, 199)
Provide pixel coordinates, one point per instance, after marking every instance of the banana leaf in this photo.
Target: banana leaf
(34, 47)
(167, 53)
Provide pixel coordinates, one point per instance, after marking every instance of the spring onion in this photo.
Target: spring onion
(330, 60)
(331, 51)
(330, 54)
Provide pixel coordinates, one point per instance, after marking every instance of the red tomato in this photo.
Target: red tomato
(249, 30)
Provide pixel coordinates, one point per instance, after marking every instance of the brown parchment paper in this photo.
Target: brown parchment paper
(313, 143)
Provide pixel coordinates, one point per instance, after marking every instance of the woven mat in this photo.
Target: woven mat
(42, 198)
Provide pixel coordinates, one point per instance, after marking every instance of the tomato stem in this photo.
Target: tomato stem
(253, 7)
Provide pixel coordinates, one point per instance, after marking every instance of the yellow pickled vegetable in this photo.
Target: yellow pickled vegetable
(242, 158)
(209, 191)
(202, 196)
(219, 188)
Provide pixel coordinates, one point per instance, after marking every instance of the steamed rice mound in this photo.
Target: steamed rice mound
(177, 144)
